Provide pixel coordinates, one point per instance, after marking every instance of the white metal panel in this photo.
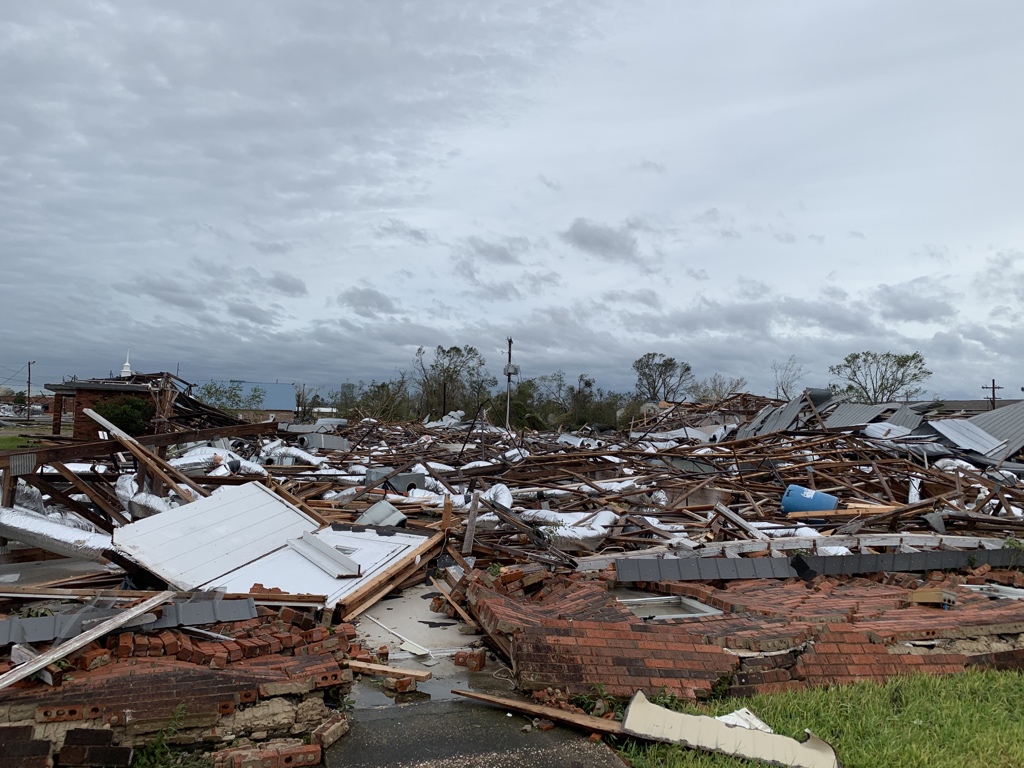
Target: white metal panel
(194, 543)
(287, 570)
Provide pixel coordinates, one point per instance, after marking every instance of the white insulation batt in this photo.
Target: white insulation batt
(28, 527)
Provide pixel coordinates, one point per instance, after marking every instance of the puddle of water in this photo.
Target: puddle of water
(369, 693)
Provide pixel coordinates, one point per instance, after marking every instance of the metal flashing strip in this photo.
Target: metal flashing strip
(807, 566)
(325, 557)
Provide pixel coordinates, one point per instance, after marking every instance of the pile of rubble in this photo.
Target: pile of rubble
(747, 547)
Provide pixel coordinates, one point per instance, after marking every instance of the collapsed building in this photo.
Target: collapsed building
(746, 547)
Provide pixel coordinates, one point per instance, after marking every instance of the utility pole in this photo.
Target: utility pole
(510, 371)
(993, 388)
(28, 393)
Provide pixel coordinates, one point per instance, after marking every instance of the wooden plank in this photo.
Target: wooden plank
(381, 480)
(65, 649)
(383, 670)
(451, 601)
(171, 476)
(94, 496)
(100, 522)
(377, 588)
(107, 447)
(740, 523)
(474, 508)
(446, 514)
(586, 722)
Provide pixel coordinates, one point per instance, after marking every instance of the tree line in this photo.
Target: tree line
(456, 379)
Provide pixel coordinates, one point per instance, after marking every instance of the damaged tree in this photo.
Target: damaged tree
(880, 377)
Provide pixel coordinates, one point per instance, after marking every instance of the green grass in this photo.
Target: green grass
(972, 719)
(9, 442)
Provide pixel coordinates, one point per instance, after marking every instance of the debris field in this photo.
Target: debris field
(207, 584)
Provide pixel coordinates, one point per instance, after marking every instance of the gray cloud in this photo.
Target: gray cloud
(404, 231)
(505, 250)
(653, 167)
(175, 293)
(367, 302)
(289, 285)
(643, 296)
(272, 248)
(608, 243)
(554, 186)
(921, 300)
(857, 235)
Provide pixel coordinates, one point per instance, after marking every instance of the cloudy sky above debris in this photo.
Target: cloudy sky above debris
(310, 191)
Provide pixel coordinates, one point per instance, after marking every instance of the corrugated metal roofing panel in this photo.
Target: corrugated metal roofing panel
(1005, 423)
(968, 436)
(907, 417)
(782, 417)
(855, 414)
(885, 430)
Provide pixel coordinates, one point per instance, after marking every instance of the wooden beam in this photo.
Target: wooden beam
(161, 469)
(458, 608)
(474, 508)
(740, 523)
(586, 722)
(76, 506)
(382, 670)
(65, 649)
(94, 496)
(107, 447)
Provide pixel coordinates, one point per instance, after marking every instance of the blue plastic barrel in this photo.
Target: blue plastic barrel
(800, 499)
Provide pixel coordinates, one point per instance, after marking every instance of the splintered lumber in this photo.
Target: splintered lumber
(586, 722)
(64, 649)
(458, 608)
(740, 523)
(383, 670)
(474, 508)
(150, 460)
(384, 583)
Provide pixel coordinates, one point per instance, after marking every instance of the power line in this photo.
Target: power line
(13, 374)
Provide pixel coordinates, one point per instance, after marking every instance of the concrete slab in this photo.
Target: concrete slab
(409, 615)
(461, 734)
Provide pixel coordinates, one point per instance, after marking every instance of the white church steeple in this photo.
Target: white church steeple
(126, 369)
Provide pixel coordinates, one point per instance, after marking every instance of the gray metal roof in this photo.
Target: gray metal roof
(1004, 423)
(968, 436)
(907, 416)
(856, 414)
(885, 430)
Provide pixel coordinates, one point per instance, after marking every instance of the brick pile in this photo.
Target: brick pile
(266, 678)
(774, 635)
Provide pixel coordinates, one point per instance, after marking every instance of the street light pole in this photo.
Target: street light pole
(28, 393)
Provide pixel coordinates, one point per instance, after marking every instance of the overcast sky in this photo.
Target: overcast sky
(309, 191)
